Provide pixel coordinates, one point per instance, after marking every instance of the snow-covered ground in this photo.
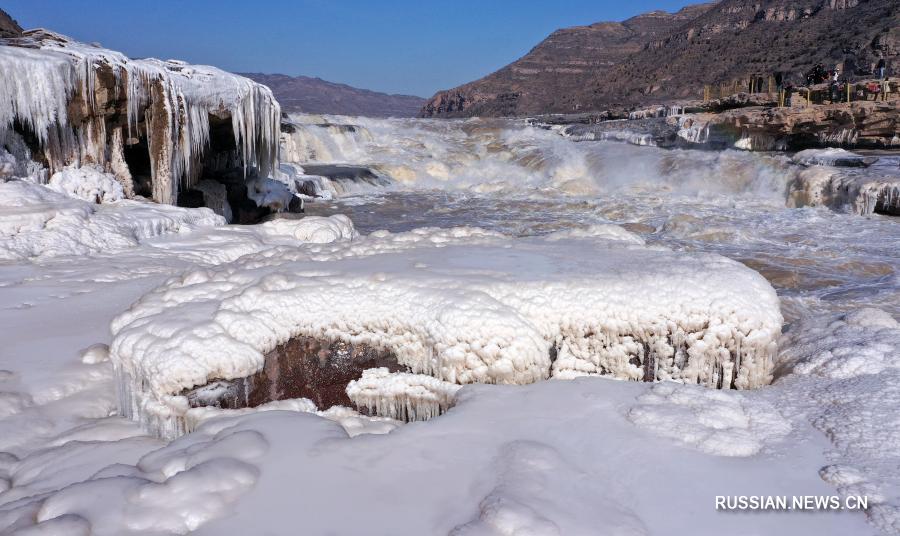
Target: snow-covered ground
(591, 455)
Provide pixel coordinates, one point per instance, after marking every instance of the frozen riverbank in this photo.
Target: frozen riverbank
(554, 457)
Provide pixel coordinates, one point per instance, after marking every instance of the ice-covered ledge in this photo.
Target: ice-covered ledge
(139, 119)
(459, 305)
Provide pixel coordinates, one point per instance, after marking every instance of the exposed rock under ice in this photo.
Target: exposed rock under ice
(302, 367)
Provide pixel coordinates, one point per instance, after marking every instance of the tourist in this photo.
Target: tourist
(834, 88)
(881, 68)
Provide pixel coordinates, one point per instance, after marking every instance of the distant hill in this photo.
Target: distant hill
(659, 56)
(317, 96)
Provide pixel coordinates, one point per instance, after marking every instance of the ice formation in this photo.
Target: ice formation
(832, 157)
(659, 111)
(506, 458)
(862, 193)
(693, 130)
(461, 305)
(270, 193)
(215, 197)
(69, 95)
(865, 341)
(401, 396)
(169, 490)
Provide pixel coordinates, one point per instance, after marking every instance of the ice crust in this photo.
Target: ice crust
(848, 365)
(40, 80)
(460, 305)
(722, 423)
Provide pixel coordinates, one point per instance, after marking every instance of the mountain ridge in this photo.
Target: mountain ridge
(317, 96)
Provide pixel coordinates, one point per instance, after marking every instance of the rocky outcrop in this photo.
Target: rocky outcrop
(660, 57)
(8, 26)
(864, 124)
(316, 96)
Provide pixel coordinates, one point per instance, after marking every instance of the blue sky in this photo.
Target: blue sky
(397, 46)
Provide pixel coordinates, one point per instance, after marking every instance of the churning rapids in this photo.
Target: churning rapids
(522, 180)
(264, 372)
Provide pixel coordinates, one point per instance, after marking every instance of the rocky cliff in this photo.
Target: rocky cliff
(8, 26)
(558, 74)
(660, 57)
(317, 96)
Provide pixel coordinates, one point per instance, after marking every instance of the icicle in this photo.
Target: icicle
(400, 395)
(39, 82)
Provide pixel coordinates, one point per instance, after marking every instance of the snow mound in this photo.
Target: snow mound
(313, 229)
(866, 341)
(519, 504)
(87, 183)
(173, 490)
(722, 423)
(461, 305)
(39, 222)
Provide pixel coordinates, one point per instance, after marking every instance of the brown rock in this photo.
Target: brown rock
(303, 367)
(8, 26)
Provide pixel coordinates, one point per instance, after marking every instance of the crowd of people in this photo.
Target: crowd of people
(840, 86)
(837, 84)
